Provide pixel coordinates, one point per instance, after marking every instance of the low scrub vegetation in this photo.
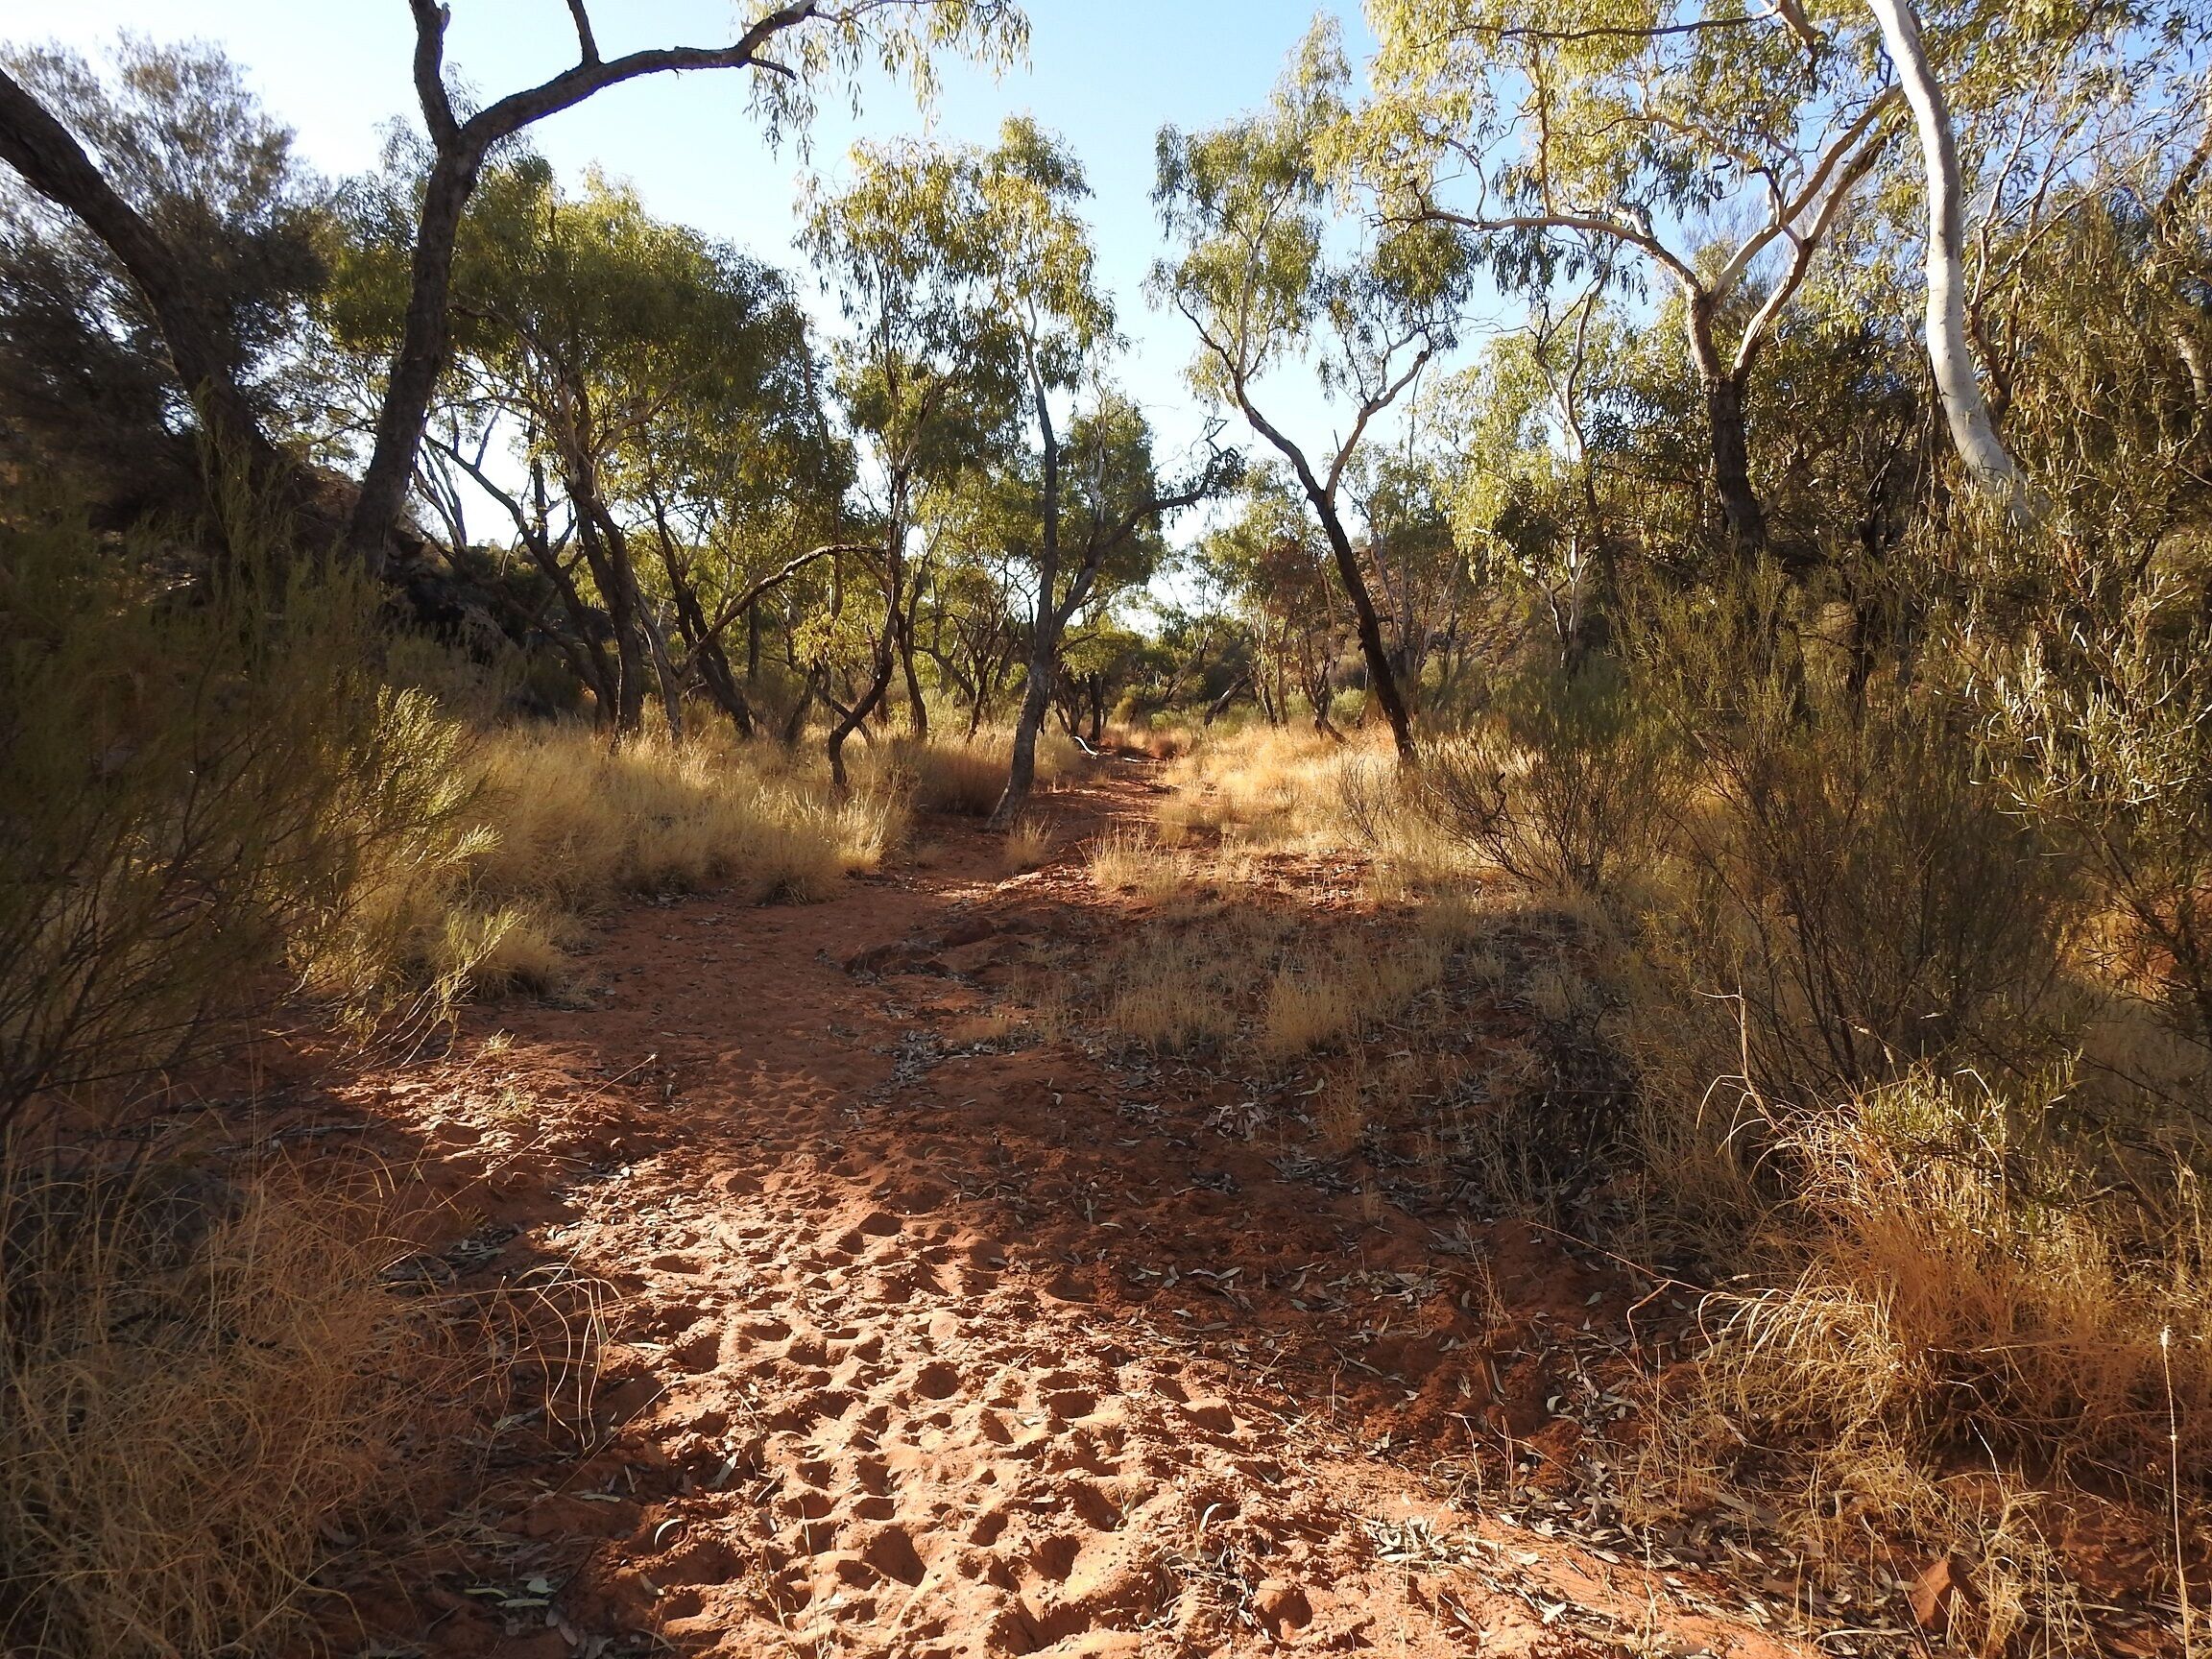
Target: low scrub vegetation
(556, 826)
(1711, 751)
(202, 1386)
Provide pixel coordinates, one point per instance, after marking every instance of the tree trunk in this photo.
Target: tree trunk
(425, 336)
(583, 654)
(887, 659)
(664, 670)
(795, 726)
(917, 710)
(201, 352)
(699, 636)
(1740, 511)
(1045, 635)
(629, 710)
(1742, 515)
(1973, 433)
(1381, 682)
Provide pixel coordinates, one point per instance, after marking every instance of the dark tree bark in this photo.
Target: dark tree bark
(1053, 609)
(192, 325)
(458, 149)
(1741, 513)
(917, 710)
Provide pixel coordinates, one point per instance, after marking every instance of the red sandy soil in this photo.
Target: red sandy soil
(917, 1339)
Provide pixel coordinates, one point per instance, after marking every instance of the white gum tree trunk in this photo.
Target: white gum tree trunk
(1964, 410)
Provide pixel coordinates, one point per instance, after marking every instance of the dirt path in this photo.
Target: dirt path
(927, 1339)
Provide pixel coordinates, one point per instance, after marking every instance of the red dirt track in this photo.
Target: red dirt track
(925, 1341)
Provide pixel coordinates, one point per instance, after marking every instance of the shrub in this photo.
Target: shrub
(2103, 713)
(1569, 784)
(200, 1386)
(1853, 895)
(189, 779)
(1854, 903)
(968, 776)
(964, 778)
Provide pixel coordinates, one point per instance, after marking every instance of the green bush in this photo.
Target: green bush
(190, 773)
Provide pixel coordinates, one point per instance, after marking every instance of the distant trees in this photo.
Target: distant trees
(789, 48)
(1576, 140)
(1257, 278)
(927, 375)
(1695, 238)
(665, 385)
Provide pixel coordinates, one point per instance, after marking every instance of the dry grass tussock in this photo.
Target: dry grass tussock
(1329, 990)
(1234, 971)
(968, 777)
(1946, 1277)
(559, 824)
(1268, 789)
(1126, 860)
(200, 1386)
(1275, 789)
(1027, 845)
(1931, 1275)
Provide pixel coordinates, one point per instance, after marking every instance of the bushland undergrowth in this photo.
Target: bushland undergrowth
(1903, 974)
(221, 783)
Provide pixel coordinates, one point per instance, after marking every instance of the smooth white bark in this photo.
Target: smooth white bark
(1972, 432)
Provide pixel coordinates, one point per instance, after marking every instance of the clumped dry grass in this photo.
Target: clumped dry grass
(1944, 1275)
(1027, 845)
(1339, 985)
(1266, 788)
(1171, 994)
(199, 1387)
(968, 777)
(1127, 860)
(559, 825)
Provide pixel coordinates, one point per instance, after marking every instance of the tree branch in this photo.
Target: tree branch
(587, 48)
(571, 87)
(431, 23)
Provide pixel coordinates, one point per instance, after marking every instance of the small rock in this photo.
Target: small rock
(1940, 1583)
(1281, 1607)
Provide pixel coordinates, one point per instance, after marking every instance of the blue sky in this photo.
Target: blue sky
(1106, 75)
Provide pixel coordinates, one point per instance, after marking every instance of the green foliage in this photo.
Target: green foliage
(1571, 784)
(85, 386)
(188, 784)
(1258, 276)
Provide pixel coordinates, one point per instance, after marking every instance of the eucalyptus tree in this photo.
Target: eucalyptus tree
(1525, 451)
(664, 382)
(787, 49)
(1105, 515)
(1257, 278)
(154, 274)
(929, 373)
(1025, 193)
(969, 628)
(1706, 143)
(1275, 568)
(1412, 548)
